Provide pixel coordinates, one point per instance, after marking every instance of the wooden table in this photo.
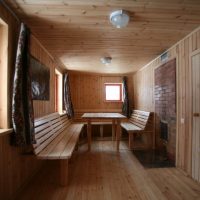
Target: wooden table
(115, 117)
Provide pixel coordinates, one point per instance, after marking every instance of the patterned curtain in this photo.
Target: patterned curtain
(22, 105)
(67, 97)
(126, 105)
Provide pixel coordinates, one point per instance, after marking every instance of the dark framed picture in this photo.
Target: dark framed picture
(40, 80)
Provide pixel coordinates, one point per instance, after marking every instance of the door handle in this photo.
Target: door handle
(196, 114)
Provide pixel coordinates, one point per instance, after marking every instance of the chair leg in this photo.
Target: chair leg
(63, 172)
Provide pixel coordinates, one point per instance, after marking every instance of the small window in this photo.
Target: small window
(113, 92)
(58, 92)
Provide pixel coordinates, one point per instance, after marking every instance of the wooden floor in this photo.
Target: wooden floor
(104, 174)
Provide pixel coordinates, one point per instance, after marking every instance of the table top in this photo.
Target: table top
(103, 116)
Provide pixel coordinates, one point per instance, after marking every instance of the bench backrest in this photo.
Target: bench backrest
(47, 128)
(140, 118)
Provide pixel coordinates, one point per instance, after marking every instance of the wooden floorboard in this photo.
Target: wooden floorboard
(104, 174)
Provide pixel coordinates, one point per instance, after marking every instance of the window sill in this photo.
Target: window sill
(5, 131)
(112, 101)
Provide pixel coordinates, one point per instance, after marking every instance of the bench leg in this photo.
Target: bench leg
(118, 133)
(130, 141)
(113, 130)
(89, 134)
(63, 172)
(101, 131)
(77, 145)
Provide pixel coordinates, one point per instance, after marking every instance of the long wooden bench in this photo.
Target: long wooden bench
(138, 123)
(56, 138)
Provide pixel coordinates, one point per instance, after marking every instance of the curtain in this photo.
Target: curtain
(126, 104)
(22, 105)
(67, 97)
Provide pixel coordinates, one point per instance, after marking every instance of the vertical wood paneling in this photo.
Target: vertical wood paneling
(144, 97)
(44, 107)
(88, 92)
(15, 168)
(196, 119)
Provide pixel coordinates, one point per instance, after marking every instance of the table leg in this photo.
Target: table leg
(113, 130)
(89, 134)
(118, 133)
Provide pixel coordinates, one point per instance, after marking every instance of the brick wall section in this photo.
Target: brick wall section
(165, 103)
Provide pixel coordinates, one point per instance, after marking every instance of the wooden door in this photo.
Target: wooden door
(196, 117)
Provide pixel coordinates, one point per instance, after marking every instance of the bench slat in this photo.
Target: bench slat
(41, 128)
(45, 119)
(43, 154)
(53, 133)
(130, 127)
(61, 145)
(70, 147)
(43, 132)
(137, 122)
(47, 142)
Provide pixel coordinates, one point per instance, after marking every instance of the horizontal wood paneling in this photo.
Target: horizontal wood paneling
(88, 93)
(144, 94)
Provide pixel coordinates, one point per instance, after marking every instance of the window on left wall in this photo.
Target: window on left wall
(3, 75)
(58, 92)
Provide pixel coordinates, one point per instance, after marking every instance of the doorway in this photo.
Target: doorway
(196, 116)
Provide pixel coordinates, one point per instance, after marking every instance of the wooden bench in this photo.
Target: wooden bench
(138, 123)
(56, 138)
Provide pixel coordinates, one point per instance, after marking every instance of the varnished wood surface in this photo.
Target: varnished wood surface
(195, 65)
(144, 94)
(3, 74)
(103, 116)
(140, 123)
(5, 131)
(79, 32)
(56, 137)
(42, 108)
(15, 167)
(104, 174)
(116, 119)
(88, 92)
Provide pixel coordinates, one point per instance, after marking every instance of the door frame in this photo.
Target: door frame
(197, 51)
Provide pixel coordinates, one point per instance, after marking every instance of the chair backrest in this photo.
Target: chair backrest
(47, 128)
(139, 118)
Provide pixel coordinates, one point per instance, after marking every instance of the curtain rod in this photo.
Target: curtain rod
(10, 10)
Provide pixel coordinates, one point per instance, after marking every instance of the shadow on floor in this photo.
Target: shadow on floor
(153, 159)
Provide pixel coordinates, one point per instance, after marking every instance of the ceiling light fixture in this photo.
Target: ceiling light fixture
(106, 60)
(119, 18)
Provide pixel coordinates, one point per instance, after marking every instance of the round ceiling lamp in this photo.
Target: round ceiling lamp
(119, 18)
(106, 60)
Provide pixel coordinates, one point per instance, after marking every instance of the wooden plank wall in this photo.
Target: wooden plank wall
(42, 108)
(88, 92)
(144, 94)
(15, 168)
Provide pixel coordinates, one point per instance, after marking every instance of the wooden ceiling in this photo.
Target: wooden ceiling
(78, 32)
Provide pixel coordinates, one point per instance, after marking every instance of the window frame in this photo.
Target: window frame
(4, 92)
(121, 92)
(58, 91)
